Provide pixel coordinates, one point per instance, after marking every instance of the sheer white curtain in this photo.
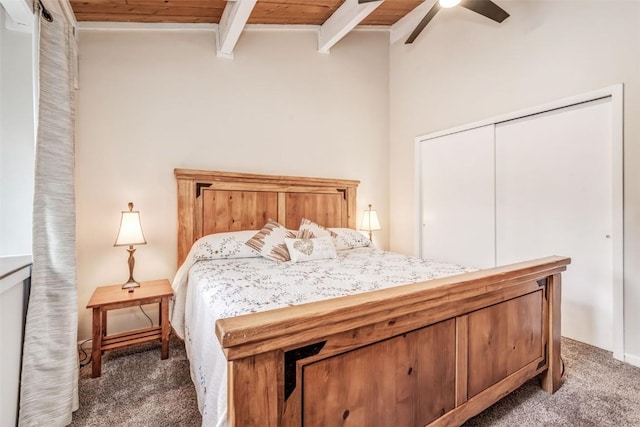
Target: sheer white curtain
(49, 389)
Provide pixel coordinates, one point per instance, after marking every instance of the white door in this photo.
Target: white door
(554, 195)
(457, 206)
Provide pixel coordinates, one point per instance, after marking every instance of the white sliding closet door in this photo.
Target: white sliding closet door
(457, 206)
(554, 195)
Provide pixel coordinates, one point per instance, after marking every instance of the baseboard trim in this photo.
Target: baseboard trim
(632, 360)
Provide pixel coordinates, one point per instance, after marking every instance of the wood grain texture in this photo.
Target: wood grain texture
(283, 12)
(403, 381)
(149, 10)
(390, 11)
(325, 209)
(503, 339)
(113, 297)
(462, 358)
(96, 343)
(133, 338)
(292, 409)
(213, 201)
(189, 221)
(488, 397)
(282, 181)
(165, 326)
(279, 12)
(552, 377)
(237, 210)
(253, 390)
(351, 208)
(104, 323)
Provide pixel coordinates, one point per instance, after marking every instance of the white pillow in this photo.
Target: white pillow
(223, 245)
(301, 250)
(347, 238)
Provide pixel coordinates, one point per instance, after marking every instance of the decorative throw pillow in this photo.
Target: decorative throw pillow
(309, 230)
(311, 249)
(223, 245)
(269, 241)
(348, 238)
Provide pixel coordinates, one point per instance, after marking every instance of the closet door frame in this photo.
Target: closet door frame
(616, 94)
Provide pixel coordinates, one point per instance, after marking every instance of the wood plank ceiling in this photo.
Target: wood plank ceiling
(282, 12)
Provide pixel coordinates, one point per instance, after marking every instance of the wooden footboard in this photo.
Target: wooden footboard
(430, 353)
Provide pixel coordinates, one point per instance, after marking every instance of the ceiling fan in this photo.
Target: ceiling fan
(485, 8)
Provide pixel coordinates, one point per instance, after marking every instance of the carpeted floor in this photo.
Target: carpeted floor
(597, 391)
(138, 389)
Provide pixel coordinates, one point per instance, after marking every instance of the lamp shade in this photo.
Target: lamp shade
(130, 232)
(370, 220)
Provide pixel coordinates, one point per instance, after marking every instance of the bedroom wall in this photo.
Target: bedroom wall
(463, 69)
(151, 101)
(17, 140)
(16, 200)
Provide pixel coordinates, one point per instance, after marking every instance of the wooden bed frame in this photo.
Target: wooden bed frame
(430, 353)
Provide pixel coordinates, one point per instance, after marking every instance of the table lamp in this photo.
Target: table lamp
(370, 222)
(129, 234)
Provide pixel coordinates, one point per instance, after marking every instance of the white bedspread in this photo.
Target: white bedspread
(222, 288)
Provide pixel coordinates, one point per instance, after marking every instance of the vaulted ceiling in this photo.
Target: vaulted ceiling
(334, 18)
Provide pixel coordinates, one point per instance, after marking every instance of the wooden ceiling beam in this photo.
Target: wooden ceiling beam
(343, 20)
(407, 23)
(234, 18)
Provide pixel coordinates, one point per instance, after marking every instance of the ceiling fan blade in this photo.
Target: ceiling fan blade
(486, 8)
(421, 26)
(366, 1)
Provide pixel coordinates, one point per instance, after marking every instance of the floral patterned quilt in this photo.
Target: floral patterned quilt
(227, 286)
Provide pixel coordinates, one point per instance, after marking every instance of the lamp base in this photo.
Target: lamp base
(131, 285)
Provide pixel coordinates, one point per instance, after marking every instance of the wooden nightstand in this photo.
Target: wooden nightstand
(107, 298)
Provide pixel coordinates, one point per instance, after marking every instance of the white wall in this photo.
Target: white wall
(151, 101)
(16, 200)
(16, 139)
(465, 68)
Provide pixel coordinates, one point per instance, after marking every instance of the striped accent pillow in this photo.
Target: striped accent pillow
(269, 241)
(310, 230)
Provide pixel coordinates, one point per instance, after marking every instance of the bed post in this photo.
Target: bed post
(186, 215)
(552, 377)
(255, 387)
(351, 208)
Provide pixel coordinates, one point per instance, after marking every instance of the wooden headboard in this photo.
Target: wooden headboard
(215, 202)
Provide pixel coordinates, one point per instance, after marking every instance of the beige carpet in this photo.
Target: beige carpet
(139, 389)
(597, 391)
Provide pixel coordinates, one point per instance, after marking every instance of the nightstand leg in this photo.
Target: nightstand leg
(96, 348)
(164, 321)
(104, 323)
